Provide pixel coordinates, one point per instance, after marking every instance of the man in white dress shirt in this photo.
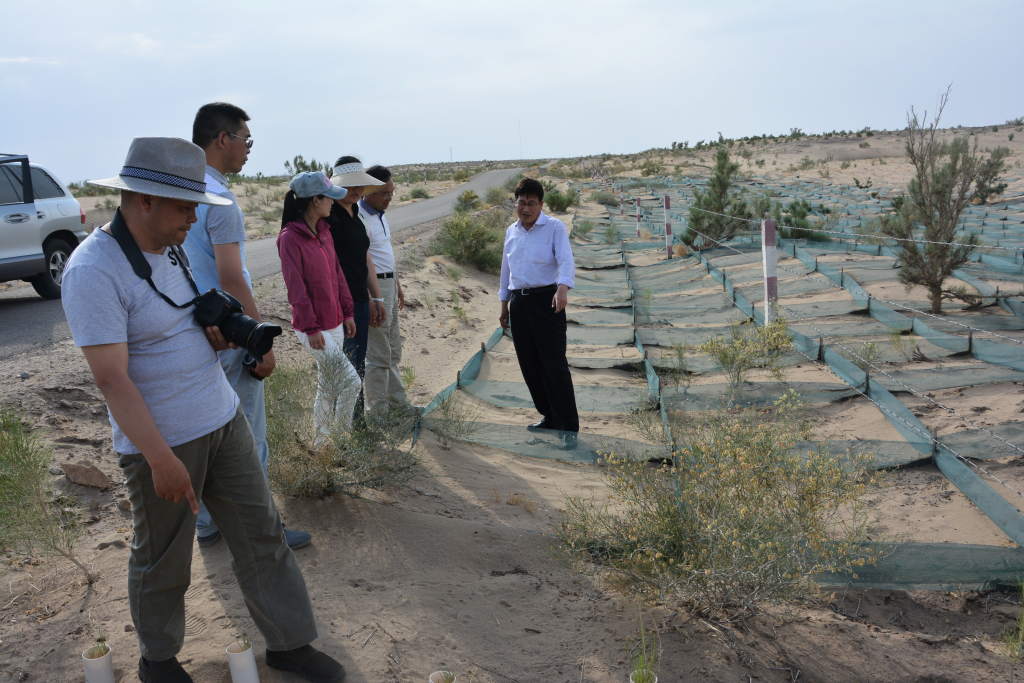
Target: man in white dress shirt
(537, 272)
(382, 384)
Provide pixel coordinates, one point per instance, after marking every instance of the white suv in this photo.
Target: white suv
(40, 225)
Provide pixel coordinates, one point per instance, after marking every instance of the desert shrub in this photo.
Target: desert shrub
(461, 176)
(31, 520)
(473, 240)
(583, 228)
(453, 420)
(298, 164)
(742, 516)
(419, 193)
(467, 201)
(610, 234)
(510, 184)
(748, 347)
(559, 201)
(651, 167)
(368, 456)
(496, 196)
(605, 198)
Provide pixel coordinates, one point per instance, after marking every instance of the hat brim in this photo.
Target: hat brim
(355, 179)
(160, 190)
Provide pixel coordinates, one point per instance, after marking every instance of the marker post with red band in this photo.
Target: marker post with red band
(668, 229)
(769, 258)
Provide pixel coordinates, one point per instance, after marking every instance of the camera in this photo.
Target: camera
(220, 309)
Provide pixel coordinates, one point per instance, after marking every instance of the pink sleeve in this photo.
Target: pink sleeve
(303, 315)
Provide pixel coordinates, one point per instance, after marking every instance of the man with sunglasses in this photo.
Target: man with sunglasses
(216, 251)
(537, 272)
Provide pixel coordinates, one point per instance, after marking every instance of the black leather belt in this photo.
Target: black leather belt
(527, 291)
(385, 276)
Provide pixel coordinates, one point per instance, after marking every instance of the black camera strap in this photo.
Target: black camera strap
(119, 231)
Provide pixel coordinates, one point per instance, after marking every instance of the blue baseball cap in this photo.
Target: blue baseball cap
(313, 183)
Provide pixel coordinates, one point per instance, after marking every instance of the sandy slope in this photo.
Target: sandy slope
(459, 570)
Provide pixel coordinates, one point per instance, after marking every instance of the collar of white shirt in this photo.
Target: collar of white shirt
(542, 219)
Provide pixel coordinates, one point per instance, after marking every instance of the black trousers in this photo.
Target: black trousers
(539, 337)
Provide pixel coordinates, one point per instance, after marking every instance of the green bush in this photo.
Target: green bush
(467, 201)
(559, 201)
(742, 516)
(461, 176)
(496, 196)
(419, 193)
(473, 240)
(605, 198)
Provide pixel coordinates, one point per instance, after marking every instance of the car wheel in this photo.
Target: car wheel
(47, 285)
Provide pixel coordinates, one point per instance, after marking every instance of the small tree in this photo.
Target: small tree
(947, 177)
(720, 200)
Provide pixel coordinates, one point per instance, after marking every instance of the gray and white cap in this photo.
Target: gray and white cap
(164, 167)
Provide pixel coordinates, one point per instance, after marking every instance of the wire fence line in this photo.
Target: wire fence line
(913, 390)
(785, 270)
(864, 235)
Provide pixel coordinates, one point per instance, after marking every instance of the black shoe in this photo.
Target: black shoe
(209, 540)
(166, 671)
(308, 662)
(569, 440)
(537, 426)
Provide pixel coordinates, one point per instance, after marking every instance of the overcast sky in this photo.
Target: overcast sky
(404, 82)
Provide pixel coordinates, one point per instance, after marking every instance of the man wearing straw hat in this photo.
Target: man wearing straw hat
(177, 426)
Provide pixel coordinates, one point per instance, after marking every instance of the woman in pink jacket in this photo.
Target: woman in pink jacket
(322, 308)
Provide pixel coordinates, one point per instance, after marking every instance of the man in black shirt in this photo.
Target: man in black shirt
(353, 247)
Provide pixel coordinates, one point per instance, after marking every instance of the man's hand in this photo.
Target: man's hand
(265, 366)
(503, 316)
(216, 338)
(316, 340)
(560, 299)
(350, 328)
(171, 481)
(401, 295)
(377, 314)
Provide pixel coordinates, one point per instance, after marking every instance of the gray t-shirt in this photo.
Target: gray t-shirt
(215, 225)
(169, 359)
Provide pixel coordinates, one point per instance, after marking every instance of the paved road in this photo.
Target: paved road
(28, 322)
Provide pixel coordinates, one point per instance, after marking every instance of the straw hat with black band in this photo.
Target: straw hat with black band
(164, 167)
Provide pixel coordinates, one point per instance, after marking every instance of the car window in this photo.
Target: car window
(10, 185)
(43, 186)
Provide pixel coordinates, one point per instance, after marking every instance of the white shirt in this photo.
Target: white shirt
(536, 257)
(379, 232)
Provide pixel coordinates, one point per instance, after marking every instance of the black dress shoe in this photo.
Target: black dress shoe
(164, 671)
(307, 662)
(537, 426)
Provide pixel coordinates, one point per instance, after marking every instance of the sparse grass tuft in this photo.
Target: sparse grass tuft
(370, 455)
(453, 421)
(31, 520)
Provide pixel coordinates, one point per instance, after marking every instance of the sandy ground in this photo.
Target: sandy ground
(460, 569)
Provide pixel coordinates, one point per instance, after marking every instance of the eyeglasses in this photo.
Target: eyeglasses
(247, 139)
(527, 203)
